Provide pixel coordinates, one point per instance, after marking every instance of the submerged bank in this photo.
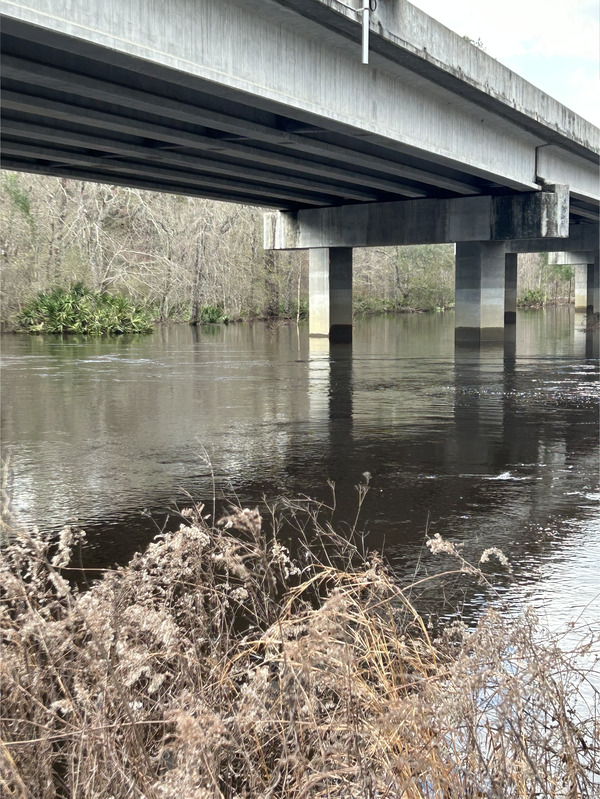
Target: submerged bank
(217, 665)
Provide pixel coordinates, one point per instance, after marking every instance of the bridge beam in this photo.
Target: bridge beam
(531, 215)
(581, 238)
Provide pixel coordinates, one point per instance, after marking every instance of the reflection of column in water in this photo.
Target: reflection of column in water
(592, 344)
(519, 439)
(478, 408)
(585, 339)
(579, 334)
(340, 386)
(330, 384)
(510, 342)
(318, 379)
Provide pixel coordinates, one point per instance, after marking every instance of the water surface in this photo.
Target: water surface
(492, 448)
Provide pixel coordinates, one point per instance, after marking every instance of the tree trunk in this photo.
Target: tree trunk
(164, 301)
(271, 285)
(197, 291)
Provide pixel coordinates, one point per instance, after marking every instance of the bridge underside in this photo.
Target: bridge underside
(74, 108)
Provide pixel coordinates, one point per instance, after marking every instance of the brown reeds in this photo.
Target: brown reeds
(216, 665)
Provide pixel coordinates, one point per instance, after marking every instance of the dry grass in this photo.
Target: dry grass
(216, 666)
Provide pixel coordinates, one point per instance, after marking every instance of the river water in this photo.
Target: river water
(491, 448)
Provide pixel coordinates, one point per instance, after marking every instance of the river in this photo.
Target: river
(491, 448)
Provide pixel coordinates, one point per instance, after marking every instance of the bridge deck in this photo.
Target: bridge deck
(266, 102)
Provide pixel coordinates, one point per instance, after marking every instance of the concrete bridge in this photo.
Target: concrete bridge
(270, 102)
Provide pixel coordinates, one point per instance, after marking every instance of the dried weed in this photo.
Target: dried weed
(216, 665)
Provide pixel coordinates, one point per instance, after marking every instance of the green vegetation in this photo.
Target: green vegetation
(212, 314)
(532, 298)
(542, 283)
(365, 306)
(18, 196)
(396, 279)
(218, 665)
(79, 310)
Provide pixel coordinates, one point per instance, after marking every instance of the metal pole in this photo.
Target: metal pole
(365, 31)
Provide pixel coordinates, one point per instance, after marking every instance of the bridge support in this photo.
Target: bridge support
(480, 275)
(583, 287)
(486, 228)
(510, 288)
(593, 285)
(587, 278)
(330, 293)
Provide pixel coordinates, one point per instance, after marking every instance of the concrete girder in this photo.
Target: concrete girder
(93, 89)
(184, 177)
(200, 47)
(521, 216)
(401, 32)
(147, 183)
(581, 238)
(431, 114)
(42, 134)
(571, 258)
(209, 146)
(578, 210)
(554, 164)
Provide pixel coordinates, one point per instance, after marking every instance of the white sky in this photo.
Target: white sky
(554, 44)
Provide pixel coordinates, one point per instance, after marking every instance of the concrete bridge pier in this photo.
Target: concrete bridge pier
(488, 231)
(593, 285)
(480, 292)
(586, 288)
(586, 264)
(581, 287)
(510, 288)
(330, 293)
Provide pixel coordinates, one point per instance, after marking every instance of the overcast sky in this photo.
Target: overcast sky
(553, 44)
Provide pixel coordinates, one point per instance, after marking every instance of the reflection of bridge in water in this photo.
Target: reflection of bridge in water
(436, 430)
(500, 452)
(495, 415)
(268, 102)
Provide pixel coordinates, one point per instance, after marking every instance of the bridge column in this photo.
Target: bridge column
(479, 293)
(593, 285)
(330, 293)
(581, 287)
(510, 288)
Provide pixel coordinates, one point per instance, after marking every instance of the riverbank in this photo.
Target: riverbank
(217, 665)
(212, 315)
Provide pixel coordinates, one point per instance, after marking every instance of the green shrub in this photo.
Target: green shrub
(374, 305)
(80, 310)
(290, 310)
(532, 297)
(213, 314)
